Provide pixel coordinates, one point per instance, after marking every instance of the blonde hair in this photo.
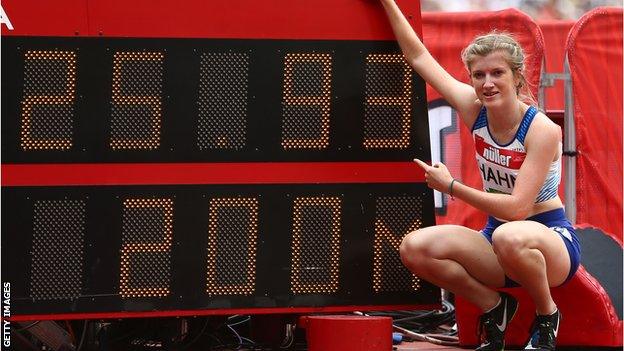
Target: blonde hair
(486, 44)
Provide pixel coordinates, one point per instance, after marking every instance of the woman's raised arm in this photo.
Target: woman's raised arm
(460, 95)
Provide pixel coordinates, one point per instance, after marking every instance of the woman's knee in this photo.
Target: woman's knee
(414, 248)
(508, 241)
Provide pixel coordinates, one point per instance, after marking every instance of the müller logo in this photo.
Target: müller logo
(494, 155)
(5, 19)
(507, 158)
(6, 313)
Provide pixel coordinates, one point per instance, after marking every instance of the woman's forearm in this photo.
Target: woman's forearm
(503, 206)
(411, 45)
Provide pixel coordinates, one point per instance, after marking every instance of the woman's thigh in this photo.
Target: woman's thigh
(467, 247)
(534, 235)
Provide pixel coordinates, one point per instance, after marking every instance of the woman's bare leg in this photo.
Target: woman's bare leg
(535, 256)
(457, 259)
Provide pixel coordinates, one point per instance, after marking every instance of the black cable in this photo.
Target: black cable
(83, 336)
(184, 347)
(124, 336)
(27, 327)
(22, 342)
(427, 337)
(424, 325)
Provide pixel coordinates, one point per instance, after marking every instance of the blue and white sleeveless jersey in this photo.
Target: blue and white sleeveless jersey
(499, 164)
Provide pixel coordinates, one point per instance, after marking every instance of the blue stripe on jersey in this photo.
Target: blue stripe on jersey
(548, 191)
(526, 122)
(550, 187)
(481, 119)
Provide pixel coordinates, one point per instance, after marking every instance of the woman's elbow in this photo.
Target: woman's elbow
(518, 211)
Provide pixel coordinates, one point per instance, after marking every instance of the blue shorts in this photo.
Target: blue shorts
(555, 220)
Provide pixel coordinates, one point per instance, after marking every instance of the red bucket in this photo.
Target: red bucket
(348, 333)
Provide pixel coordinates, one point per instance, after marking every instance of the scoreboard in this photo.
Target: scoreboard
(247, 164)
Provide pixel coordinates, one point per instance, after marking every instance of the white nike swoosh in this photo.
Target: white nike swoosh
(504, 325)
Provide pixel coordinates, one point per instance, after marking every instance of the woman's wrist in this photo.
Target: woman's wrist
(450, 187)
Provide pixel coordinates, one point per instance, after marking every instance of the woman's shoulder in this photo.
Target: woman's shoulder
(544, 129)
(544, 121)
(472, 113)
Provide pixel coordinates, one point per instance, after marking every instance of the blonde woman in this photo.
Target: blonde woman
(527, 240)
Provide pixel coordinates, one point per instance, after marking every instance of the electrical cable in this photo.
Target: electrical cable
(27, 327)
(83, 336)
(124, 336)
(251, 342)
(231, 326)
(71, 332)
(244, 320)
(424, 325)
(22, 342)
(425, 337)
(240, 340)
(289, 338)
(201, 332)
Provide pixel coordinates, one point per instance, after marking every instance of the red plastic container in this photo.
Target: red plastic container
(348, 333)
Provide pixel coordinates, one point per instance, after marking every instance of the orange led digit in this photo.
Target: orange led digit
(147, 235)
(306, 101)
(136, 103)
(386, 263)
(388, 107)
(224, 241)
(47, 108)
(316, 265)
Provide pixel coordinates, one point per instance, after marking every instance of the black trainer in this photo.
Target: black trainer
(494, 323)
(544, 332)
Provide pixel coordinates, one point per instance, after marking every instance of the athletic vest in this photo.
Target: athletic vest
(499, 164)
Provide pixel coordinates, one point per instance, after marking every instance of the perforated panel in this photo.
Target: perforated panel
(290, 112)
(232, 237)
(147, 234)
(388, 102)
(136, 113)
(306, 102)
(316, 244)
(222, 101)
(47, 110)
(394, 218)
(57, 249)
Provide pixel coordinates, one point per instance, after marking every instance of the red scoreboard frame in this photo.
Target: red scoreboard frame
(94, 156)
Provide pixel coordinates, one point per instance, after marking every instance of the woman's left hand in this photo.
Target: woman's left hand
(437, 176)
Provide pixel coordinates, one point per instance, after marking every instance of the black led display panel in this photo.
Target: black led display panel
(208, 100)
(143, 248)
(260, 242)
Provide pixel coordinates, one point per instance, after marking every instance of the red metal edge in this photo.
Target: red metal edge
(555, 114)
(46, 18)
(284, 19)
(217, 312)
(208, 173)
